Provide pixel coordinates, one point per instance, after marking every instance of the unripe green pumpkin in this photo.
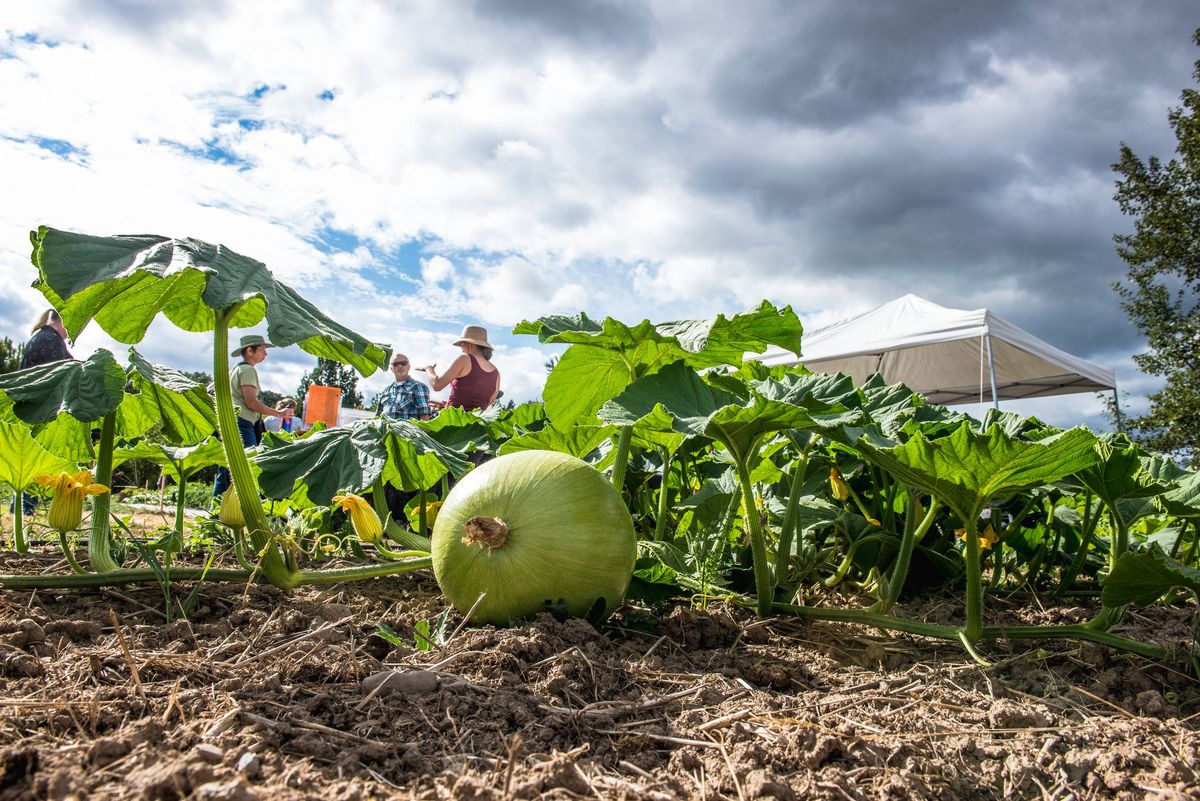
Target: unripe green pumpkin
(536, 531)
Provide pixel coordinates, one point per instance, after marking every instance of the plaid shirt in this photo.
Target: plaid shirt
(405, 400)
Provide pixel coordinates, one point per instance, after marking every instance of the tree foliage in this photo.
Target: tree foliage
(1161, 293)
(10, 356)
(329, 373)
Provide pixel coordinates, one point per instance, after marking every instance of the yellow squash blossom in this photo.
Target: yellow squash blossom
(362, 516)
(431, 512)
(66, 509)
(231, 511)
(987, 538)
(841, 490)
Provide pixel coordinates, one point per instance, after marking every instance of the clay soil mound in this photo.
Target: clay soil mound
(272, 695)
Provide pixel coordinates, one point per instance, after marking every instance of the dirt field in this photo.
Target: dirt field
(262, 694)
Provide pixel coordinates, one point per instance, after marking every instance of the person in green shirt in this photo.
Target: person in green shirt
(243, 382)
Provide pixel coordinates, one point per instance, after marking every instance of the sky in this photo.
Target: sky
(414, 167)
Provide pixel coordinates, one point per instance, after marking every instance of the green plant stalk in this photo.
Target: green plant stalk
(1120, 542)
(997, 559)
(421, 511)
(848, 559)
(239, 549)
(1183, 527)
(914, 532)
(272, 564)
(19, 544)
(787, 532)
(660, 520)
(973, 629)
(390, 527)
(361, 573)
(70, 557)
(1191, 555)
(763, 583)
(181, 492)
(119, 576)
(1072, 632)
(1090, 519)
(100, 538)
(621, 459)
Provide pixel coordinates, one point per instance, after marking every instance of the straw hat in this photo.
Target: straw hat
(476, 335)
(250, 340)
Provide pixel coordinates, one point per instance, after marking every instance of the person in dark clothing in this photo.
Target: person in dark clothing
(473, 380)
(47, 344)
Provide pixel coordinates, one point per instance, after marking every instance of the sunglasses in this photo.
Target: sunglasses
(399, 364)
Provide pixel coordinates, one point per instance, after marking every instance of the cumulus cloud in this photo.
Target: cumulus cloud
(412, 168)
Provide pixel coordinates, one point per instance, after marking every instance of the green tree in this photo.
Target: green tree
(329, 373)
(10, 356)
(1161, 293)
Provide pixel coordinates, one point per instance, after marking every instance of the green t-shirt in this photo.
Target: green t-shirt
(244, 375)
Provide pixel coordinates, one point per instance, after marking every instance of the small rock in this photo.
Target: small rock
(209, 753)
(1150, 702)
(294, 621)
(104, 750)
(32, 632)
(248, 765)
(408, 682)
(232, 790)
(335, 612)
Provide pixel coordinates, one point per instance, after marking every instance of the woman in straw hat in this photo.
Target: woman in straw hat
(473, 380)
(243, 383)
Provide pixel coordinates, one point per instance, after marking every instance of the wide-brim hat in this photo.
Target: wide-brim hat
(476, 335)
(249, 341)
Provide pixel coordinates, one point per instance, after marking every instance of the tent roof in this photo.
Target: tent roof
(942, 354)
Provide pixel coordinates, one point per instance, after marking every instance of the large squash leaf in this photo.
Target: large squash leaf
(1142, 577)
(22, 459)
(605, 358)
(966, 470)
(180, 463)
(87, 390)
(1122, 471)
(353, 458)
(678, 399)
(182, 406)
(124, 282)
(580, 441)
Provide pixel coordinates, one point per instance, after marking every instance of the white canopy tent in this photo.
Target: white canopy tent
(948, 355)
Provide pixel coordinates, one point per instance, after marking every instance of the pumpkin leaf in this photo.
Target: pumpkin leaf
(178, 462)
(87, 390)
(182, 406)
(1141, 577)
(353, 458)
(22, 459)
(966, 470)
(124, 282)
(605, 358)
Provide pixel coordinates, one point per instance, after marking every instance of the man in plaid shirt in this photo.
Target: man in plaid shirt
(404, 399)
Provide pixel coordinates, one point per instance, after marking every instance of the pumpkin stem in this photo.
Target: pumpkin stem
(491, 531)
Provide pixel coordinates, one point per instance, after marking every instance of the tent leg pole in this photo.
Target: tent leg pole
(1117, 412)
(992, 369)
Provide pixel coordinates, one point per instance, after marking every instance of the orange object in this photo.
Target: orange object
(321, 405)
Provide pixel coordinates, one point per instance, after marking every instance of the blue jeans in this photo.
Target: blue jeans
(246, 430)
(29, 504)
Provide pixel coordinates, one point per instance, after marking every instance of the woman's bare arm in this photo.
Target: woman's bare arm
(457, 369)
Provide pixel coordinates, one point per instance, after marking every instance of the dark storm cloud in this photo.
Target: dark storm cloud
(831, 65)
(1021, 223)
(622, 26)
